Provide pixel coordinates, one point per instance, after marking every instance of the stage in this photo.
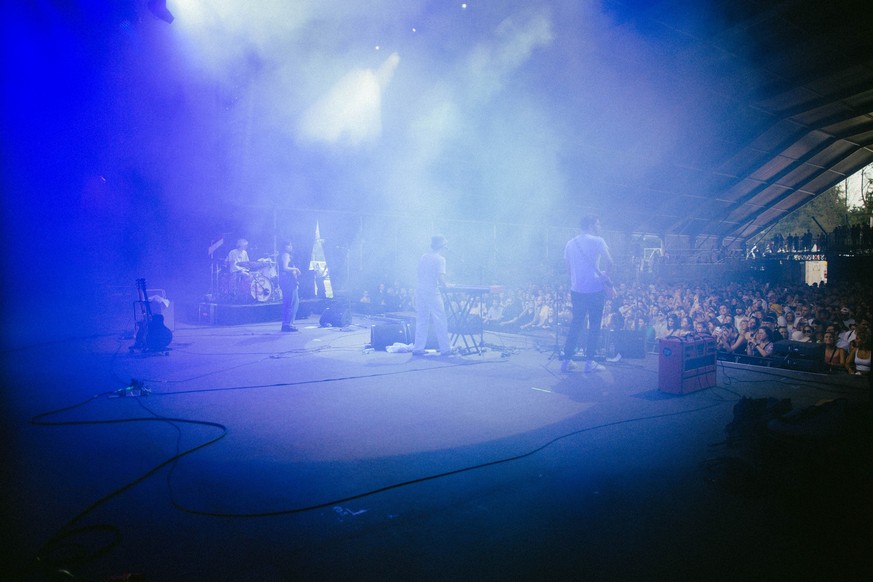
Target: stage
(251, 454)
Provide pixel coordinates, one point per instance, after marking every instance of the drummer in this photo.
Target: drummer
(237, 256)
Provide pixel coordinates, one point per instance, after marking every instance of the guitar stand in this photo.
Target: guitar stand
(464, 324)
(140, 320)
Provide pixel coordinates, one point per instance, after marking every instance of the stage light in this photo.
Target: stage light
(159, 9)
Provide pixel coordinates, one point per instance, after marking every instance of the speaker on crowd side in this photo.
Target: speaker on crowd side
(388, 334)
(807, 350)
(630, 344)
(335, 316)
(686, 365)
(802, 356)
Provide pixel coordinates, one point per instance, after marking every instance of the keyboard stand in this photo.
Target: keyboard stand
(463, 325)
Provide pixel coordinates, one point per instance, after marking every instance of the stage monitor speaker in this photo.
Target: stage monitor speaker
(806, 350)
(630, 344)
(335, 316)
(801, 356)
(388, 334)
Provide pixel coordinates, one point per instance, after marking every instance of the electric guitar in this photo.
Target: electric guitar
(152, 335)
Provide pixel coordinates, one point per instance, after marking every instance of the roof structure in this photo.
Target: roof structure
(793, 117)
(703, 118)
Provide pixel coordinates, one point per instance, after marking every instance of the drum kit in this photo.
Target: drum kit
(258, 282)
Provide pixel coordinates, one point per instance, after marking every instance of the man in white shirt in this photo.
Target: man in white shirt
(428, 299)
(847, 336)
(238, 255)
(587, 257)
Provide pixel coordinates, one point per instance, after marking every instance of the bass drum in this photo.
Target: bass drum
(260, 288)
(252, 287)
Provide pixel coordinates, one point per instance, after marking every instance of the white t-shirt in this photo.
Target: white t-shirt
(845, 339)
(236, 256)
(582, 255)
(430, 267)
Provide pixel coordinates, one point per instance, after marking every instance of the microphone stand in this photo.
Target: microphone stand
(556, 350)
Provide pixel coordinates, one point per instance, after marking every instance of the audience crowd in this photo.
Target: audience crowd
(845, 238)
(854, 239)
(744, 318)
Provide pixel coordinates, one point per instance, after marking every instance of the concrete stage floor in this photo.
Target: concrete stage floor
(336, 463)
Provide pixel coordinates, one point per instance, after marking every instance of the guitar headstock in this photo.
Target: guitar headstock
(141, 289)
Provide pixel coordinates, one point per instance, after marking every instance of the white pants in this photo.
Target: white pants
(427, 306)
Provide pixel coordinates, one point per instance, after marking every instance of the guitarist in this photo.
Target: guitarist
(586, 255)
(288, 282)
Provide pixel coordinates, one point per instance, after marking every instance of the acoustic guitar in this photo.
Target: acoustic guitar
(152, 334)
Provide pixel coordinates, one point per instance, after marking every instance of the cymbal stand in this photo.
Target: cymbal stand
(556, 349)
(213, 275)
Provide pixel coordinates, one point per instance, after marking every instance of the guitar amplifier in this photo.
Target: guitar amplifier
(686, 365)
(206, 314)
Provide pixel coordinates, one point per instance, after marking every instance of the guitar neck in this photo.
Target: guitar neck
(141, 289)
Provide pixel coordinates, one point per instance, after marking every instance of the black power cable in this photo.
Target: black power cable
(61, 550)
(417, 480)
(51, 554)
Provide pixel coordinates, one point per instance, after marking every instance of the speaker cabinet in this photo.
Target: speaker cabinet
(802, 356)
(630, 344)
(335, 316)
(808, 350)
(686, 366)
(388, 334)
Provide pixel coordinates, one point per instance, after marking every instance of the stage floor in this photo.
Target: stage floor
(252, 454)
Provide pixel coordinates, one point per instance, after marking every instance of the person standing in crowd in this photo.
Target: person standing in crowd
(429, 305)
(761, 345)
(834, 356)
(289, 283)
(588, 260)
(847, 337)
(724, 316)
(858, 360)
